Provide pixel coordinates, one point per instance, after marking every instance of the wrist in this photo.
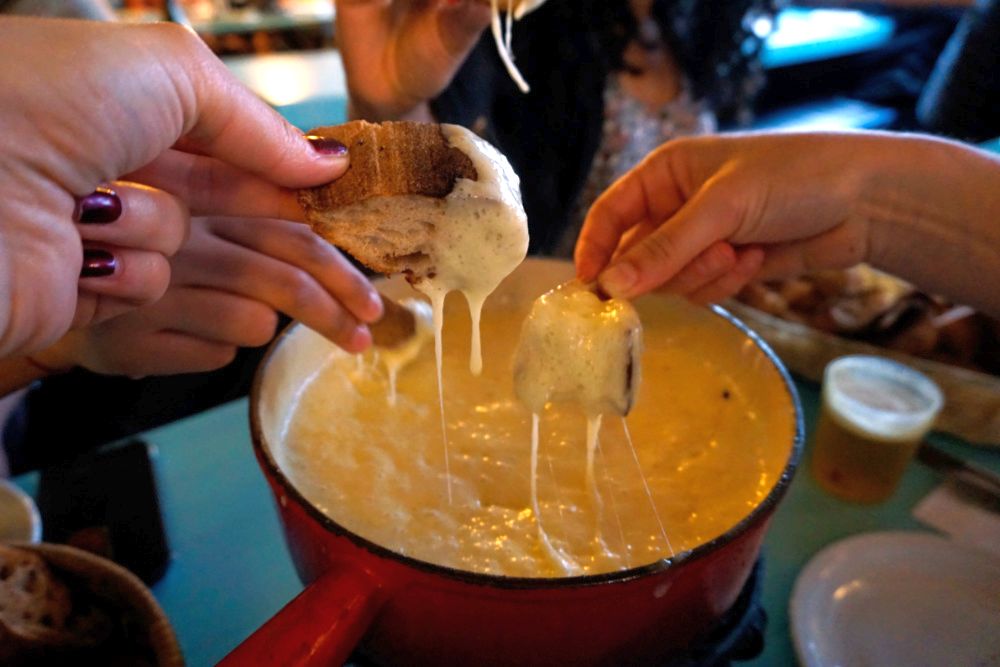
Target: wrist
(900, 195)
(931, 207)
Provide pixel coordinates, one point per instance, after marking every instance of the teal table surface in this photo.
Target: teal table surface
(230, 570)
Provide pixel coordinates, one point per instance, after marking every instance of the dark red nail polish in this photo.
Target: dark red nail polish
(327, 145)
(100, 206)
(97, 263)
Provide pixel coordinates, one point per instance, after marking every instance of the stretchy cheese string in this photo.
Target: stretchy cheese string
(503, 47)
(558, 556)
(645, 485)
(626, 550)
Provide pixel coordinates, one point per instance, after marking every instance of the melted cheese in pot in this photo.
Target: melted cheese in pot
(712, 430)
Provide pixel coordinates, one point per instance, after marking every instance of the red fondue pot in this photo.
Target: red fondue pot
(402, 611)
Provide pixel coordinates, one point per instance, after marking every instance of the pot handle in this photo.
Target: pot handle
(321, 626)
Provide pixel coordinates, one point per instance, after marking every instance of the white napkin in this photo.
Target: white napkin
(964, 513)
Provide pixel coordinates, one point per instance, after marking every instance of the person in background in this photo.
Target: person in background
(923, 208)
(610, 80)
(963, 94)
(96, 197)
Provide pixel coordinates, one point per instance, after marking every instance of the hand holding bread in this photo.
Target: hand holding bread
(382, 210)
(434, 202)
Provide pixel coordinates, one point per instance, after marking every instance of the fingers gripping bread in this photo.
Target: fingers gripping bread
(384, 209)
(434, 202)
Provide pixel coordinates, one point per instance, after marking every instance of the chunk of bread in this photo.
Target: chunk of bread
(577, 347)
(34, 605)
(30, 597)
(382, 210)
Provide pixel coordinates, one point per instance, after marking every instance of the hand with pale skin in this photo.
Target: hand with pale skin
(111, 136)
(779, 205)
(228, 284)
(400, 54)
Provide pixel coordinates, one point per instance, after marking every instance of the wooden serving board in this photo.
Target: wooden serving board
(972, 400)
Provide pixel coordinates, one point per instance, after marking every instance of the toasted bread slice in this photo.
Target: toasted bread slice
(383, 210)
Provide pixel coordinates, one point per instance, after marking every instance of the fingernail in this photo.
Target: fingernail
(100, 206)
(361, 339)
(327, 146)
(618, 280)
(97, 263)
(601, 293)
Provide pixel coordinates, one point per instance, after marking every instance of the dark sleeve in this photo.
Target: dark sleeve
(962, 97)
(95, 409)
(468, 100)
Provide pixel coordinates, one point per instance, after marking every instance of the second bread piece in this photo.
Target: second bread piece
(384, 208)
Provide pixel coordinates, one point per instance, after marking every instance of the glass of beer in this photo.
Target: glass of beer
(875, 413)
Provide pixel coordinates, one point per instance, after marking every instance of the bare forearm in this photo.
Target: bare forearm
(934, 210)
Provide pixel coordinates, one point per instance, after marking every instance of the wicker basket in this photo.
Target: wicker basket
(118, 589)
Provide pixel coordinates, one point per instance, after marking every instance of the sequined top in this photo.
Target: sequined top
(629, 132)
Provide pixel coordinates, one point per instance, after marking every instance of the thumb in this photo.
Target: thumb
(223, 119)
(707, 217)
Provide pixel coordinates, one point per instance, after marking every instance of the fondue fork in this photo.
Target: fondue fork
(397, 325)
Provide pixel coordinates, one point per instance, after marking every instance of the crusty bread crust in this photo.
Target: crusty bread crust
(380, 210)
(30, 597)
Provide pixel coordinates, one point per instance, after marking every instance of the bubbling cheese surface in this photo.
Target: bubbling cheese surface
(712, 430)
(576, 348)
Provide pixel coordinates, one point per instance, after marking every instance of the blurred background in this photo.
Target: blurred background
(829, 65)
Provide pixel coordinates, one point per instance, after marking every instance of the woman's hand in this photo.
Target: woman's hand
(228, 283)
(794, 196)
(398, 54)
(128, 231)
(87, 104)
(922, 208)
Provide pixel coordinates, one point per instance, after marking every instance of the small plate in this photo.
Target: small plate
(897, 598)
(19, 519)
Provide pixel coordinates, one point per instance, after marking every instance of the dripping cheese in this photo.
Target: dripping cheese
(712, 429)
